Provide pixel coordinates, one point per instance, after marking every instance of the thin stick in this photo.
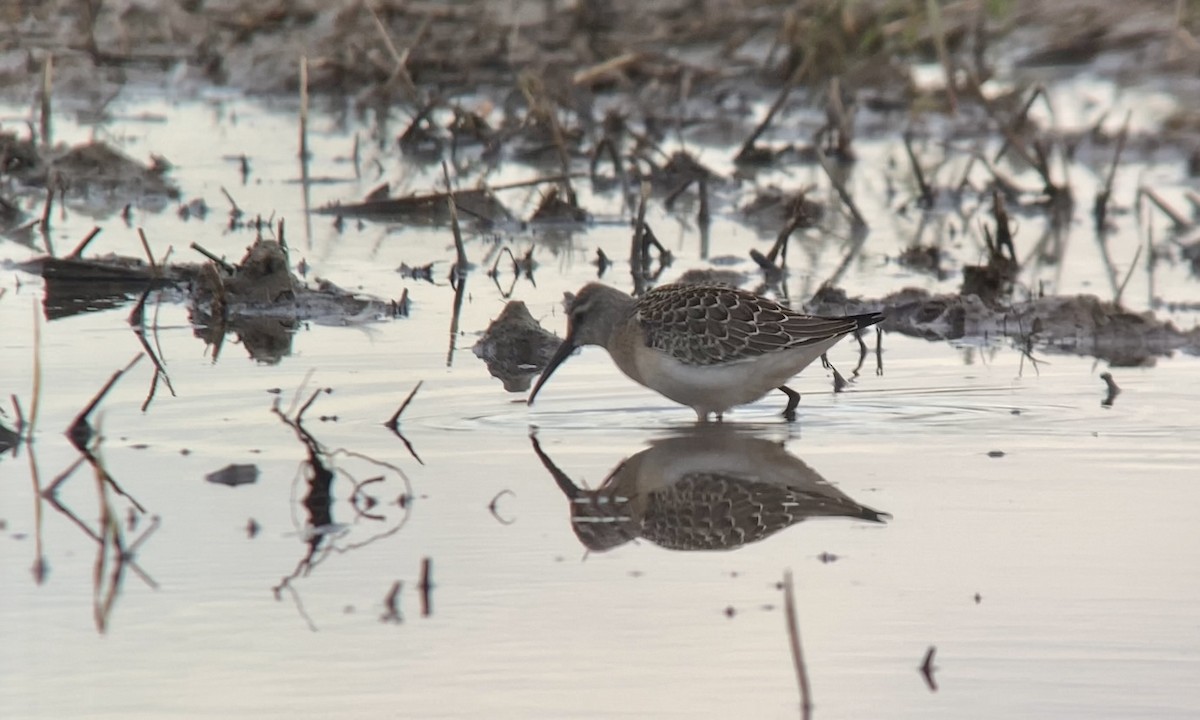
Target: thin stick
(234, 209)
(939, 41)
(922, 184)
(1100, 210)
(748, 146)
(1018, 120)
(354, 154)
(636, 264)
(394, 422)
(536, 181)
(793, 627)
(611, 67)
(387, 39)
(1177, 218)
(219, 261)
(426, 587)
(78, 251)
(391, 604)
(303, 107)
(36, 397)
(836, 112)
(79, 431)
(461, 263)
(47, 92)
(927, 668)
(1132, 266)
(46, 214)
(840, 187)
(146, 247)
(1112, 389)
(459, 281)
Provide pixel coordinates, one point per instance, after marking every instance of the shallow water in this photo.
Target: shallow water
(1042, 542)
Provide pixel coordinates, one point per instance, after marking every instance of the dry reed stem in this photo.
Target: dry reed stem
(793, 628)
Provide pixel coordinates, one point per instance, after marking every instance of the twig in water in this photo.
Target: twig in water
(459, 282)
(1004, 234)
(460, 266)
(793, 628)
(219, 261)
(78, 251)
(602, 262)
(235, 212)
(36, 393)
(426, 587)
(492, 506)
(926, 199)
(45, 226)
(779, 249)
(927, 669)
(391, 605)
(637, 264)
(1177, 219)
(1100, 209)
(842, 192)
(146, 248)
(934, 15)
(137, 320)
(878, 351)
(1017, 121)
(394, 422)
(839, 120)
(1113, 390)
(303, 108)
(47, 93)
(517, 184)
(80, 432)
(1132, 266)
(749, 151)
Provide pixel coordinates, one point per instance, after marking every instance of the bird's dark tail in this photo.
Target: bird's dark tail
(866, 320)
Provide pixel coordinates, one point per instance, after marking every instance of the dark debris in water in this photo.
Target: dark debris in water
(516, 347)
(234, 475)
(259, 298)
(94, 170)
(1068, 324)
(425, 209)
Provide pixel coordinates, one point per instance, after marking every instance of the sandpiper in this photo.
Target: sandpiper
(710, 488)
(709, 347)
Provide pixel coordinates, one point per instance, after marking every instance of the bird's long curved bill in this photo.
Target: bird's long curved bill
(562, 353)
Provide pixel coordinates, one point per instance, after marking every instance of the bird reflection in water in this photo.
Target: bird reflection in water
(712, 488)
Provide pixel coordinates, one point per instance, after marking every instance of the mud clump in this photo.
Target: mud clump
(94, 171)
(259, 299)
(1068, 324)
(515, 347)
(262, 277)
(97, 167)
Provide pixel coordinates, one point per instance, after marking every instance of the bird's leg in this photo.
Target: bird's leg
(789, 413)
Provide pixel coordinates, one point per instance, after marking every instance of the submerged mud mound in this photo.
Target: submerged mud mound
(1069, 324)
(92, 173)
(515, 347)
(259, 299)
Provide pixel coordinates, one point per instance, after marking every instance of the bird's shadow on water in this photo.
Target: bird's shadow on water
(707, 487)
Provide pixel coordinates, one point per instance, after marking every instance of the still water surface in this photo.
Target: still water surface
(1046, 545)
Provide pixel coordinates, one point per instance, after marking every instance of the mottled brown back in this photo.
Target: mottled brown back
(710, 325)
